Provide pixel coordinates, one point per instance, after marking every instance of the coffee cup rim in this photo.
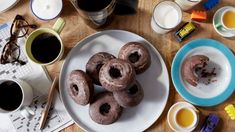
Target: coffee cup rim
(194, 115)
(23, 96)
(44, 30)
(222, 16)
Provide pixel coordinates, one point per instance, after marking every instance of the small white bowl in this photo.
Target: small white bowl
(46, 9)
(171, 117)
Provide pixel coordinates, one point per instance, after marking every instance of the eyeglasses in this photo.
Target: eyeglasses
(11, 51)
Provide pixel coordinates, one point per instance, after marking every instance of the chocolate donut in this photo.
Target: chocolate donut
(80, 87)
(130, 97)
(105, 110)
(116, 75)
(190, 65)
(95, 63)
(137, 55)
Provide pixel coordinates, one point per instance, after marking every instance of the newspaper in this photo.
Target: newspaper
(38, 78)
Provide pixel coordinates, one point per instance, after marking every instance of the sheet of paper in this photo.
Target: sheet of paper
(37, 77)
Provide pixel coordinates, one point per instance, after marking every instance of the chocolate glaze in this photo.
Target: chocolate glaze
(137, 55)
(130, 97)
(95, 63)
(105, 110)
(190, 65)
(116, 75)
(80, 87)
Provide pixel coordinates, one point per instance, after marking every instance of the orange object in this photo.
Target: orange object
(199, 15)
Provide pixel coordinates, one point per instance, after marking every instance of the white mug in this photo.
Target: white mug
(221, 24)
(187, 4)
(166, 16)
(195, 121)
(26, 96)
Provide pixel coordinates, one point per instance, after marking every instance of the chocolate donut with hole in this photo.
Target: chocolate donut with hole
(80, 87)
(189, 67)
(137, 55)
(95, 63)
(130, 97)
(116, 75)
(105, 110)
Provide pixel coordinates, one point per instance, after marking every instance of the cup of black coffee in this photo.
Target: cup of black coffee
(96, 13)
(126, 7)
(15, 95)
(44, 45)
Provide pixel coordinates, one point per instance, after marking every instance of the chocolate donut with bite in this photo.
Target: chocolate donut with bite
(116, 75)
(80, 87)
(137, 55)
(130, 97)
(190, 65)
(95, 63)
(105, 110)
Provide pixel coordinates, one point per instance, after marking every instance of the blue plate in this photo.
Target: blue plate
(181, 86)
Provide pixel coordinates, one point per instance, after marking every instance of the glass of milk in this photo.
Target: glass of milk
(187, 4)
(166, 16)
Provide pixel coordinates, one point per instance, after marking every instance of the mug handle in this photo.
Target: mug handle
(59, 25)
(218, 25)
(27, 112)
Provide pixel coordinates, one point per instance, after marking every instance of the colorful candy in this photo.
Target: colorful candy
(199, 15)
(210, 4)
(184, 31)
(230, 109)
(210, 123)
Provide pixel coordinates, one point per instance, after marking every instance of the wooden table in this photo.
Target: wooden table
(75, 30)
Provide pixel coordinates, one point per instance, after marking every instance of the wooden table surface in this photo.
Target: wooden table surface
(75, 30)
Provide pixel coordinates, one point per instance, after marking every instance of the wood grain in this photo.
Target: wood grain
(75, 30)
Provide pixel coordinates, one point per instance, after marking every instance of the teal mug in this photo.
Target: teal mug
(227, 21)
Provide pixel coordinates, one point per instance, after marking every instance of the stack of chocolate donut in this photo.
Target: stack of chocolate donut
(116, 76)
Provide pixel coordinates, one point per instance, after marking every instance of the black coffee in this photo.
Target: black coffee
(45, 48)
(126, 7)
(10, 96)
(93, 5)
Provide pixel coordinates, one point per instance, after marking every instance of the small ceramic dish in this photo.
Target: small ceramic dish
(46, 9)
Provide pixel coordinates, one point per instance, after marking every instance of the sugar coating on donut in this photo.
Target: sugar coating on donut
(130, 97)
(137, 54)
(190, 65)
(80, 87)
(95, 63)
(116, 75)
(104, 109)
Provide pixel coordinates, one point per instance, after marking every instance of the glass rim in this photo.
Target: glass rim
(112, 2)
(181, 14)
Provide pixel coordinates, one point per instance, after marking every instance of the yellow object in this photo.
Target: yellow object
(230, 109)
(199, 15)
(229, 19)
(184, 118)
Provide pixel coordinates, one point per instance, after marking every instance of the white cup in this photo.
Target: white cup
(221, 24)
(187, 4)
(194, 123)
(26, 99)
(166, 16)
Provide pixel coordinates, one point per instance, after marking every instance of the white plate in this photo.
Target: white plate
(155, 82)
(206, 93)
(216, 18)
(7, 4)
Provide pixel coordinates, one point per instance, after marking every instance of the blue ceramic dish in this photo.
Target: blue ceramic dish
(179, 83)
